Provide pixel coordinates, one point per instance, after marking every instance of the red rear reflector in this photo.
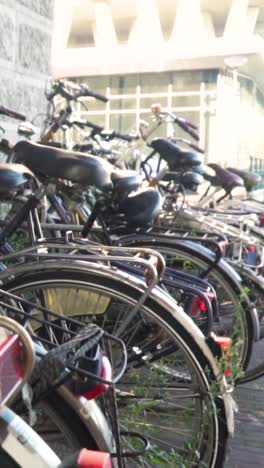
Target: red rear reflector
(225, 344)
(101, 387)
(250, 248)
(92, 459)
(11, 366)
(198, 305)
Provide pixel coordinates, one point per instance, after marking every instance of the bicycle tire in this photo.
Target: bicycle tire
(211, 444)
(216, 275)
(255, 369)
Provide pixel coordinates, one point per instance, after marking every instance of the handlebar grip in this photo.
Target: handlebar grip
(187, 129)
(11, 113)
(186, 122)
(100, 97)
(110, 135)
(189, 124)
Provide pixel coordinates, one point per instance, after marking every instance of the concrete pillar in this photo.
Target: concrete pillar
(146, 30)
(103, 28)
(191, 26)
(25, 49)
(227, 120)
(252, 17)
(209, 30)
(237, 18)
(61, 29)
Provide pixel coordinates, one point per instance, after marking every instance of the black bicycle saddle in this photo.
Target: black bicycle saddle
(250, 179)
(227, 179)
(176, 157)
(48, 162)
(125, 181)
(142, 207)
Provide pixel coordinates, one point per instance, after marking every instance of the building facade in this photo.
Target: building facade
(198, 58)
(25, 57)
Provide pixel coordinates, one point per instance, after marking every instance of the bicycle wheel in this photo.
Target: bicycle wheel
(255, 369)
(235, 319)
(167, 392)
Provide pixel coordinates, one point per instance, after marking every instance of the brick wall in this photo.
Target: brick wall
(25, 46)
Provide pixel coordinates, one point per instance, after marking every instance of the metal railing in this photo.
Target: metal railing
(203, 102)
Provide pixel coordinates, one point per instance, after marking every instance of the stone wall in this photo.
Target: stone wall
(25, 49)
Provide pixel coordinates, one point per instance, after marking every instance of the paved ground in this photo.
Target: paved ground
(247, 448)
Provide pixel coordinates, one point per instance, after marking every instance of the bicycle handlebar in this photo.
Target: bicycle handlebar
(11, 113)
(115, 134)
(96, 129)
(60, 88)
(186, 126)
(187, 122)
(86, 91)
